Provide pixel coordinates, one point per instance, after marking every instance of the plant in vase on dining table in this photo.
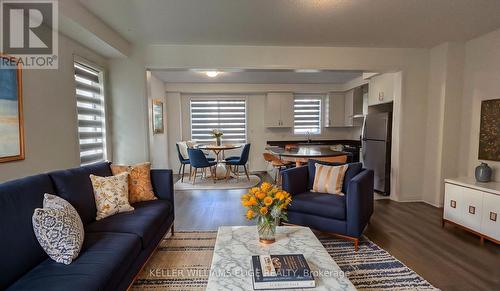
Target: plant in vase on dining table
(268, 204)
(218, 135)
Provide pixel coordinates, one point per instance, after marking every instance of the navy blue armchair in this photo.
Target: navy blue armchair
(344, 216)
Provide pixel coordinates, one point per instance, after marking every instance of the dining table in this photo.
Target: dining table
(300, 154)
(219, 152)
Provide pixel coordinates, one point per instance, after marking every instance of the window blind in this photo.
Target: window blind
(307, 115)
(91, 114)
(229, 116)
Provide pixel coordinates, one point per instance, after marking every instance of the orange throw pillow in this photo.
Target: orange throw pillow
(139, 182)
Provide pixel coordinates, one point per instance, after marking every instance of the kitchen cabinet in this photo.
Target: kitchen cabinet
(384, 88)
(344, 109)
(334, 110)
(473, 206)
(279, 110)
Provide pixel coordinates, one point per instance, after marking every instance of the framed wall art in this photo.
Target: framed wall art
(11, 111)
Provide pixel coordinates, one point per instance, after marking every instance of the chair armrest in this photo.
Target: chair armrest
(294, 180)
(359, 202)
(163, 184)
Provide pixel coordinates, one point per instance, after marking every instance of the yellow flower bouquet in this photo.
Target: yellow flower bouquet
(268, 204)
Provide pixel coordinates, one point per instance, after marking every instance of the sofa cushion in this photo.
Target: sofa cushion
(59, 229)
(74, 186)
(352, 170)
(144, 221)
(320, 204)
(103, 262)
(19, 248)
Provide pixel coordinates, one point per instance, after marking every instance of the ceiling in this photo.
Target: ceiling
(258, 77)
(380, 23)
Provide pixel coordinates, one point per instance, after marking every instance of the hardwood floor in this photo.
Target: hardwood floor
(449, 258)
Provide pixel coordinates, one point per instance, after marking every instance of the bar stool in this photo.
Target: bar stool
(277, 164)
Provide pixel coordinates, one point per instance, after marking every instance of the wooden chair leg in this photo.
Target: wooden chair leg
(194, 175)
(246, 172)
(183, 166)
(180, 169)
(228, 171)
(190, 172)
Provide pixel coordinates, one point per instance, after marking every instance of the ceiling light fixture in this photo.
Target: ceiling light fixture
(307, 71)
(212, 74)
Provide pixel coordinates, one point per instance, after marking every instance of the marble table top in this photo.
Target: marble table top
(231, 268)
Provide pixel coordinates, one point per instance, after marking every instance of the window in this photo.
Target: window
(307, 115)
(227, 115)
(90, 106)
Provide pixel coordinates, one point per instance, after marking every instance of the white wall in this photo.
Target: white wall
(158, 142)
(50, 121)
(443, 119)
(482, 82)
(129, 109)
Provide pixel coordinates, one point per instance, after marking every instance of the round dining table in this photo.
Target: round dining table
(219, 151)
(302, 153)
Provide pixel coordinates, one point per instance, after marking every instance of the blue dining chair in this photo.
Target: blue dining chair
(239, 161)
(185, 162)
(198, 160)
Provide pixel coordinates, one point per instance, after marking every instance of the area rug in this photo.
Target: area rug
(208, 184)
(182, 262)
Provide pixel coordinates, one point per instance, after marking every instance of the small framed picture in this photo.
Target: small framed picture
(158, 116)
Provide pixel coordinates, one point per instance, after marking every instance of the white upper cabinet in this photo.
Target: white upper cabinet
(279, 110)
(344, 109)
(384, 88)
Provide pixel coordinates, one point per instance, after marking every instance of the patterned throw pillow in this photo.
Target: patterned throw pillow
(139, 183)
(329, 179)
(111, 195)
(59, 229)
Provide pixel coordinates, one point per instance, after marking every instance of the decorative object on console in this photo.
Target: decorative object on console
(157, 116)
(483, 173)
(489, 132)
(268, 203)
(59, 229)
(11, 111)
(218, 136)
(139, 181)
(329, 179)
(111, 194)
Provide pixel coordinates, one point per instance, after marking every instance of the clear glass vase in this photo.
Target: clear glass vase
(266, 227)
(218, 141)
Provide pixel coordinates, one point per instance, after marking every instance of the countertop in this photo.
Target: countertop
(282, 143)
(490, 187)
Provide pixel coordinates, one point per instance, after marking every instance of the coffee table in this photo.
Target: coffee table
(231, 267)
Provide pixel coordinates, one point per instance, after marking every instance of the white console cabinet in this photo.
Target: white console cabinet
(473, 206)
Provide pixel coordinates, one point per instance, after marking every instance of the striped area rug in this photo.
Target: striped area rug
(183, 262)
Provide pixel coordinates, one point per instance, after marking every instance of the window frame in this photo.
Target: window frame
(217, 98)
(321, 98)
(107, 152)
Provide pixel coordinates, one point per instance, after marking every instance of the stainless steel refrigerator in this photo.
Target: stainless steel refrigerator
(376, 149)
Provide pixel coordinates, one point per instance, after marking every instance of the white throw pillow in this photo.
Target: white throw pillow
(111, 194)
(183, 149)
(329, 179)
(59, 229)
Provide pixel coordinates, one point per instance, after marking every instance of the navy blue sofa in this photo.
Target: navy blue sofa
(345, 216)
(114, 249)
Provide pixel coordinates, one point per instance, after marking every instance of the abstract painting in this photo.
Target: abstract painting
(489, 133)
(11, 112)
